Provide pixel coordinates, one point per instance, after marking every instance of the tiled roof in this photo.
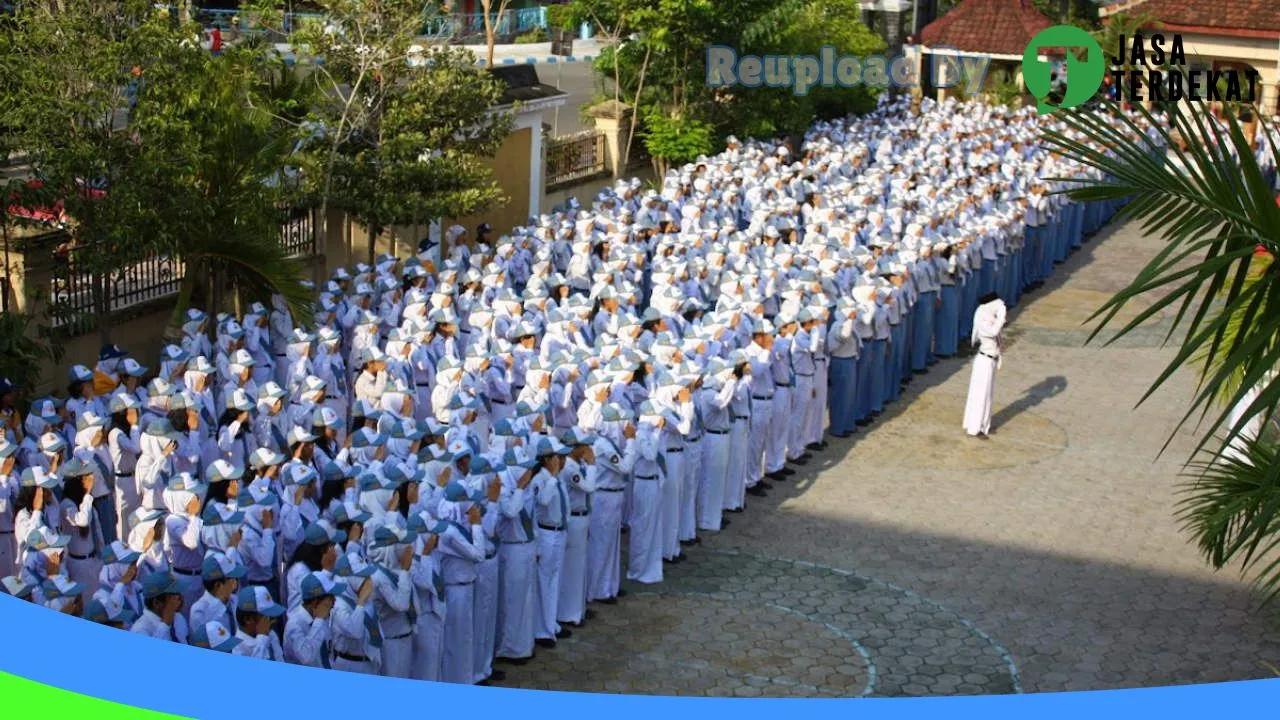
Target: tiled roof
(1232, 17)
(994, 27)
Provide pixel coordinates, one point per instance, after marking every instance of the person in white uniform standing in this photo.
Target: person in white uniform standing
(988, 328)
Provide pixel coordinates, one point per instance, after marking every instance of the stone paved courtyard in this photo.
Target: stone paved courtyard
(912, 560)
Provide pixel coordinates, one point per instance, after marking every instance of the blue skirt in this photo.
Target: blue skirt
(947, 333)
(842, 395)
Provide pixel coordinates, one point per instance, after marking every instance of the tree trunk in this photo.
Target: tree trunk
(375, 230)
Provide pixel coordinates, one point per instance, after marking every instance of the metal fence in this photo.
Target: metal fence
(574, 157)
(73, 291)
(459, 25)
(297, 234)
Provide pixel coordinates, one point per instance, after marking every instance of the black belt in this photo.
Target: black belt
(741, 417)
(332, 397)
(517, 542)
(804, 374)
(761, 397)
(551, 528)
(579, 513)
(718, 432)
(611, 489)
(398, 637)
(671, 450)
(79, 557)
(693, 439)
(783, 385)
(354, 658)
(646, 477)
(993, 357)
(500, 402)
(189, 573)
(120, 474)
(6, 532)
(425, 384)
(460, 584)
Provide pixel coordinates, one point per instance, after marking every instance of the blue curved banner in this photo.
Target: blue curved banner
(52, 649)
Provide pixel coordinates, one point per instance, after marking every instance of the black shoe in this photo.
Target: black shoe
(764, 485)
(515, 661)
(776, 477)
(608, 601)
(588, 615)
(483, 683)
(621, 593)
(822, 444)
(497, 675)
(786, 472)
(802, 460)
(547, 643)
(863, 422)
(737, 509)
(757, 491)
(724, 523)
(696, 540)
(813, 447)
(686, 543)
(564, 634)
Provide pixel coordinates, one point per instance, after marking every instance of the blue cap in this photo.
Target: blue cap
(213, 635)
(160, 583)
(256, 599)
(389, 535)
(347, 566)
(220, 567)
(316, 585)
(320, 533)
(110, 352)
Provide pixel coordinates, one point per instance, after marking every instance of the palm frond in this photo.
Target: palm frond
(1213, 207)
(1231, 504)
(260, 270)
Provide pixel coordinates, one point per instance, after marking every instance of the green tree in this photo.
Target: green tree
(240, 117)
(401, 133)
(1215, 209)
(91, 85)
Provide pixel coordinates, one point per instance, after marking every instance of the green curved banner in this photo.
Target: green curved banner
(26, 698)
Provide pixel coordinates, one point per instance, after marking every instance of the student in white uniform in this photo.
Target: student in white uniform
(357, 634)
(10, 489)
(80, 523)
(162, 620)
(518, 555)
(644, 559)
(429, 598)
(221, 575)
(256, 612)
(579, 480)
(307, 633)
(391, 550)
(124, 443)
(462, 546)
(615, 455)
(552, 518)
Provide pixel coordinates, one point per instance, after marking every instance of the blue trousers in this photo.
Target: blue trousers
(1053, 248)
(876, 349)
(969, 293)
(900, 357)
(105, 508)
(922, 333)
(987, 277)
(947, 331)
(842, 395)
(865, 381)
(1033, 254)
(1076, 233)
(1017, 275)
(893, 367)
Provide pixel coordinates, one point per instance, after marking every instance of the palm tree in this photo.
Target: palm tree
(1218, 214)
(248, 115)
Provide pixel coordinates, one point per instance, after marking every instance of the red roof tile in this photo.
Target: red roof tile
(1231, 17)
(994, 27)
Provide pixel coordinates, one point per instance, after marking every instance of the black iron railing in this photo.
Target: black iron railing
(574, 157)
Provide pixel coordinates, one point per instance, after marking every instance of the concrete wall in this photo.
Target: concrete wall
(511, 169)
(1262, 54)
